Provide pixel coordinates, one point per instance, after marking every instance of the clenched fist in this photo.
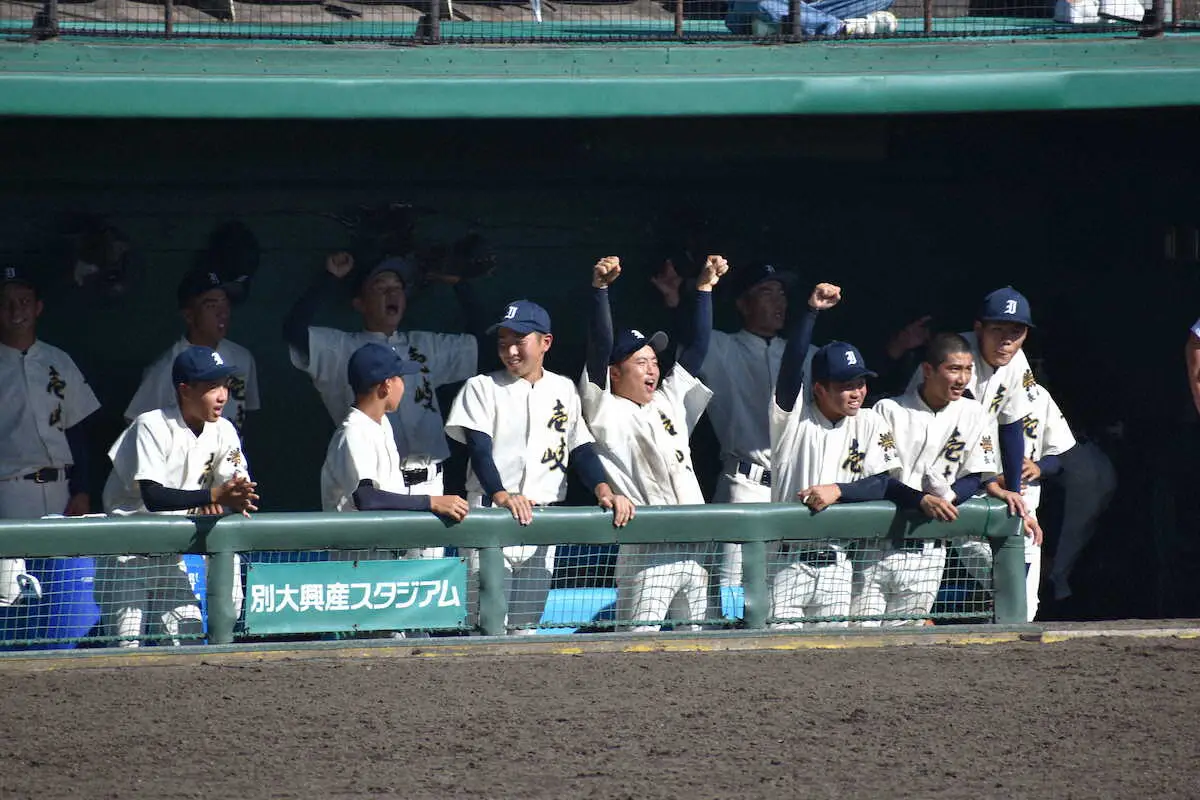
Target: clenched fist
(339, 264)
(710, 274)
(824, 296)
(606, 271)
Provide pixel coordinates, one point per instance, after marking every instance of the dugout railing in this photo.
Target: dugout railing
(488, 531)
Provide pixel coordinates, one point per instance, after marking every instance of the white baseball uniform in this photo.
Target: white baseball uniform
(936, 448)
(42, 393)
(160, 447)
(647, 457)
(741, 369)
(814, 578)
(1046, 434)
(157, 391)
(417, 424)
(364, 450)
(1006, 394)
(534, 427)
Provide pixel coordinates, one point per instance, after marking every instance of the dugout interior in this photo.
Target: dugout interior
(1093, 215)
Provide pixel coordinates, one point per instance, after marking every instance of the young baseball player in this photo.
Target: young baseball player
(362, 467)
(181, 459)
(1047, 436)
(946, 444)
(204, 304)
(825, 449)
(382, 299)
(44, 400)
(642, 426)
(522, 426)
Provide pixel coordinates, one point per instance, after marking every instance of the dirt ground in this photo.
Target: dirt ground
(1095, 718)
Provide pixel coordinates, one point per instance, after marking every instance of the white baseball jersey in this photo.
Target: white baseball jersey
(1006, 394)
(42, 393)
(361, 450)
(946, 445)
(1046, 434)
(645, 449)
(809, 450)
(741, 369)
(417, 424)
(159, 446)
(157, 390)
(534, 427)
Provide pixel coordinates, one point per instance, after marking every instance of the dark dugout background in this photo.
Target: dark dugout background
(911, 215)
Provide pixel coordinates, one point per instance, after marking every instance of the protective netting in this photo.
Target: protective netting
(551, 21)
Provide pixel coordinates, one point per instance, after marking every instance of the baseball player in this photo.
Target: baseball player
(825, 449)
(44, 400)
(1047, 436)
(204, 304)
(740, 369)
(522, 426)
(445, 358)
(181, 459)
(946, 444)
(362, 467)
(642, 426)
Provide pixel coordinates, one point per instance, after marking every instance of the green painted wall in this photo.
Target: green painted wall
(910, 214)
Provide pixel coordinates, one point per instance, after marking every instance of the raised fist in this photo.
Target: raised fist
(824, 296)
(339, 264)
(714, 267)
(606, 271)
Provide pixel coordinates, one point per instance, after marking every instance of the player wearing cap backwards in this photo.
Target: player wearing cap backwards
(362, 467)
(445, 358)
(946, 444)
(522, 426)
(204, 304)
(180, 459)
(642, 426)
(825, 449)
(44, 400)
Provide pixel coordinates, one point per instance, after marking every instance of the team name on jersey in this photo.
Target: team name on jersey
(424, 393)
(997, 400)
(1028, 382)
(667, 424)
(556, 457)
(558, 417)
(854, 459)
(1029, 424)
(56, 386)
(955, 446)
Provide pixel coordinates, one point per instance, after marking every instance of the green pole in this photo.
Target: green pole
(493, 600)
(754, 584)
(222, 615)
(1008, 574)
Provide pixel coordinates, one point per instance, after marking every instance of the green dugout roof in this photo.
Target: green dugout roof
(303, 81)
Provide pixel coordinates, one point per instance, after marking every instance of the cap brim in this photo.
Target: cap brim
(408, 368)
(1028, 324)
(521, 328)
(402, 268)
(658, 341)
(788, 279)
(214, 374)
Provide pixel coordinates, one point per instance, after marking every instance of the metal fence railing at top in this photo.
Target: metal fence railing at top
(122, 581)
(560, 21)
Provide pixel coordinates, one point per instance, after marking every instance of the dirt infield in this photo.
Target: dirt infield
(1094, 718)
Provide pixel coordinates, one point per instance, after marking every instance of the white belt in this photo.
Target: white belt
(753, 472)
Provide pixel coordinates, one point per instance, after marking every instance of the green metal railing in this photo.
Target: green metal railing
(490, 530)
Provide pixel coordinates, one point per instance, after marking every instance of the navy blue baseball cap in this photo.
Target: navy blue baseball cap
(839, 361)
(405, 269)
(198, 363)
(196, 282)
(11, 274)
(374, 363)
(631, 340)
(746, 278)
(1006, 305)
(523, 316)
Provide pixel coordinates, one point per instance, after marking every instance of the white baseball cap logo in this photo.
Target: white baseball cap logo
(217, 359)
(850, 359)
(212, 277)
(1010, 306)
(770, 269)
(510, 312)
(637, 334)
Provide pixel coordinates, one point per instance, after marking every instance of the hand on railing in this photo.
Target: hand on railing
(938, 508)
(519, 505)
(237, 493)
(449, 505)
(621, 506)
(819, 498)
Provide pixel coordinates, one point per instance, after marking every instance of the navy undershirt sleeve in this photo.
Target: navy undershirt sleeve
(1012, 453)
(791, 369)
(80, 479)
(587, 465)
(600, 338)
(302, 313)
(966, 487)
(903, 496)
(696, 350)
(1050, 466)
(159, 498)
(872, 488)
(479, 447)
(369, 498)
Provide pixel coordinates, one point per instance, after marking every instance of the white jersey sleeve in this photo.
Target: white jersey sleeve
(79, 402)
(474, 409)
(686, 392)
(1020, 390)
(450, 357)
